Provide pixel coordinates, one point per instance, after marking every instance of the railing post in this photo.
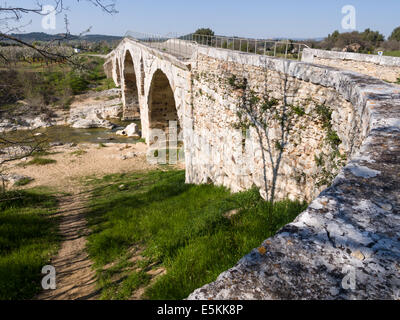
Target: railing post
(255, 47)
(298, 53)
(287, 44)
(265, 47)
(275, 49)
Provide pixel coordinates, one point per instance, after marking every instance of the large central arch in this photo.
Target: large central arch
(130, 90)
(163, 113)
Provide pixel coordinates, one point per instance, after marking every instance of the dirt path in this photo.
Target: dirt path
(75, 277)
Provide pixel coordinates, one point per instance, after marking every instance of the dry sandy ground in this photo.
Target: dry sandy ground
(75, 277)
(64, 175)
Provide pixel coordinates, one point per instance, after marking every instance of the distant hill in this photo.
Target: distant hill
(41, 36)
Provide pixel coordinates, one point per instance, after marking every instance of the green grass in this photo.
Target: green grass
(176, 226)
(40, 161)
(392, 53)
(78, 153)
(28, 238)
(23, 182)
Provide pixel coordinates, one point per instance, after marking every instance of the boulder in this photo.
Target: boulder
(130, 131)
(15, 179)
(90, 121)
(354, 47)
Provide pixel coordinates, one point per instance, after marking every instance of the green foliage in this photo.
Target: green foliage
(278, 146)
(236, 83)
(395, 53)
(326, 116)
(40, 161)
(78, 153)
(395, 34)
(53, 85)
(23, 182)
(319, 160)
(268, 103)
(298, 110)
(180, 227)
(204, 32)
(368, 40)
(78, 84)
(28, 239)
(333, 138)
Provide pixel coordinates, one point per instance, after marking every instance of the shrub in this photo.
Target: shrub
(40, 161)
(78, 84)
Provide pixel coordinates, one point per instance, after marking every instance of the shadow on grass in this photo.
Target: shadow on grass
(28, 238)
(181, 227)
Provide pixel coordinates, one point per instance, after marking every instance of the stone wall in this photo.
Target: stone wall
(385, 68)
(302, 156)
(346, 245)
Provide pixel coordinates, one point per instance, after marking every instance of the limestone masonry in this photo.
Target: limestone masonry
(295, 130)
(381, 67)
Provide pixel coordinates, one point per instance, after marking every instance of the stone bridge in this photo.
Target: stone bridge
(295, 130)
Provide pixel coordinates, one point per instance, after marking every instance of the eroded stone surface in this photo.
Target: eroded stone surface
(381, 67)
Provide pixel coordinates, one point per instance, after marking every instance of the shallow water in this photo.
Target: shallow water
(67, 134)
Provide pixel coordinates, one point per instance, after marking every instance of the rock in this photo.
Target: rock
(231, 213)
(91, 121)
(16, 179)
(130, 131)
(56, 144)
(39, 122)
(129, 155)
(354, 47)
(71, 145)
(358, 255)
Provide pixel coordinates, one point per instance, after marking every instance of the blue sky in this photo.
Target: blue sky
(247, 18)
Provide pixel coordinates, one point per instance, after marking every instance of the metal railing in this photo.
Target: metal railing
(183, 46)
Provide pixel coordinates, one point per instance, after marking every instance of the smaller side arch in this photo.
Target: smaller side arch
(118, 71)
(130, 90)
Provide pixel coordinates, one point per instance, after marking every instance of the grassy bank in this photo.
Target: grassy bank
(42, 86)
(28, 238)
(151, 221)
(392, 53)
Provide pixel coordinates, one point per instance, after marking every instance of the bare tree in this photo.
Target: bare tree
(262, 112)
(11, 21)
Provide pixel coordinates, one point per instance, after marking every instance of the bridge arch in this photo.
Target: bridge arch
(130, 89)
(162, 107)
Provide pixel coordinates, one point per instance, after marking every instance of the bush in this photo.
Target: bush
(78, 85)
(395, 34)
(40, 161)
